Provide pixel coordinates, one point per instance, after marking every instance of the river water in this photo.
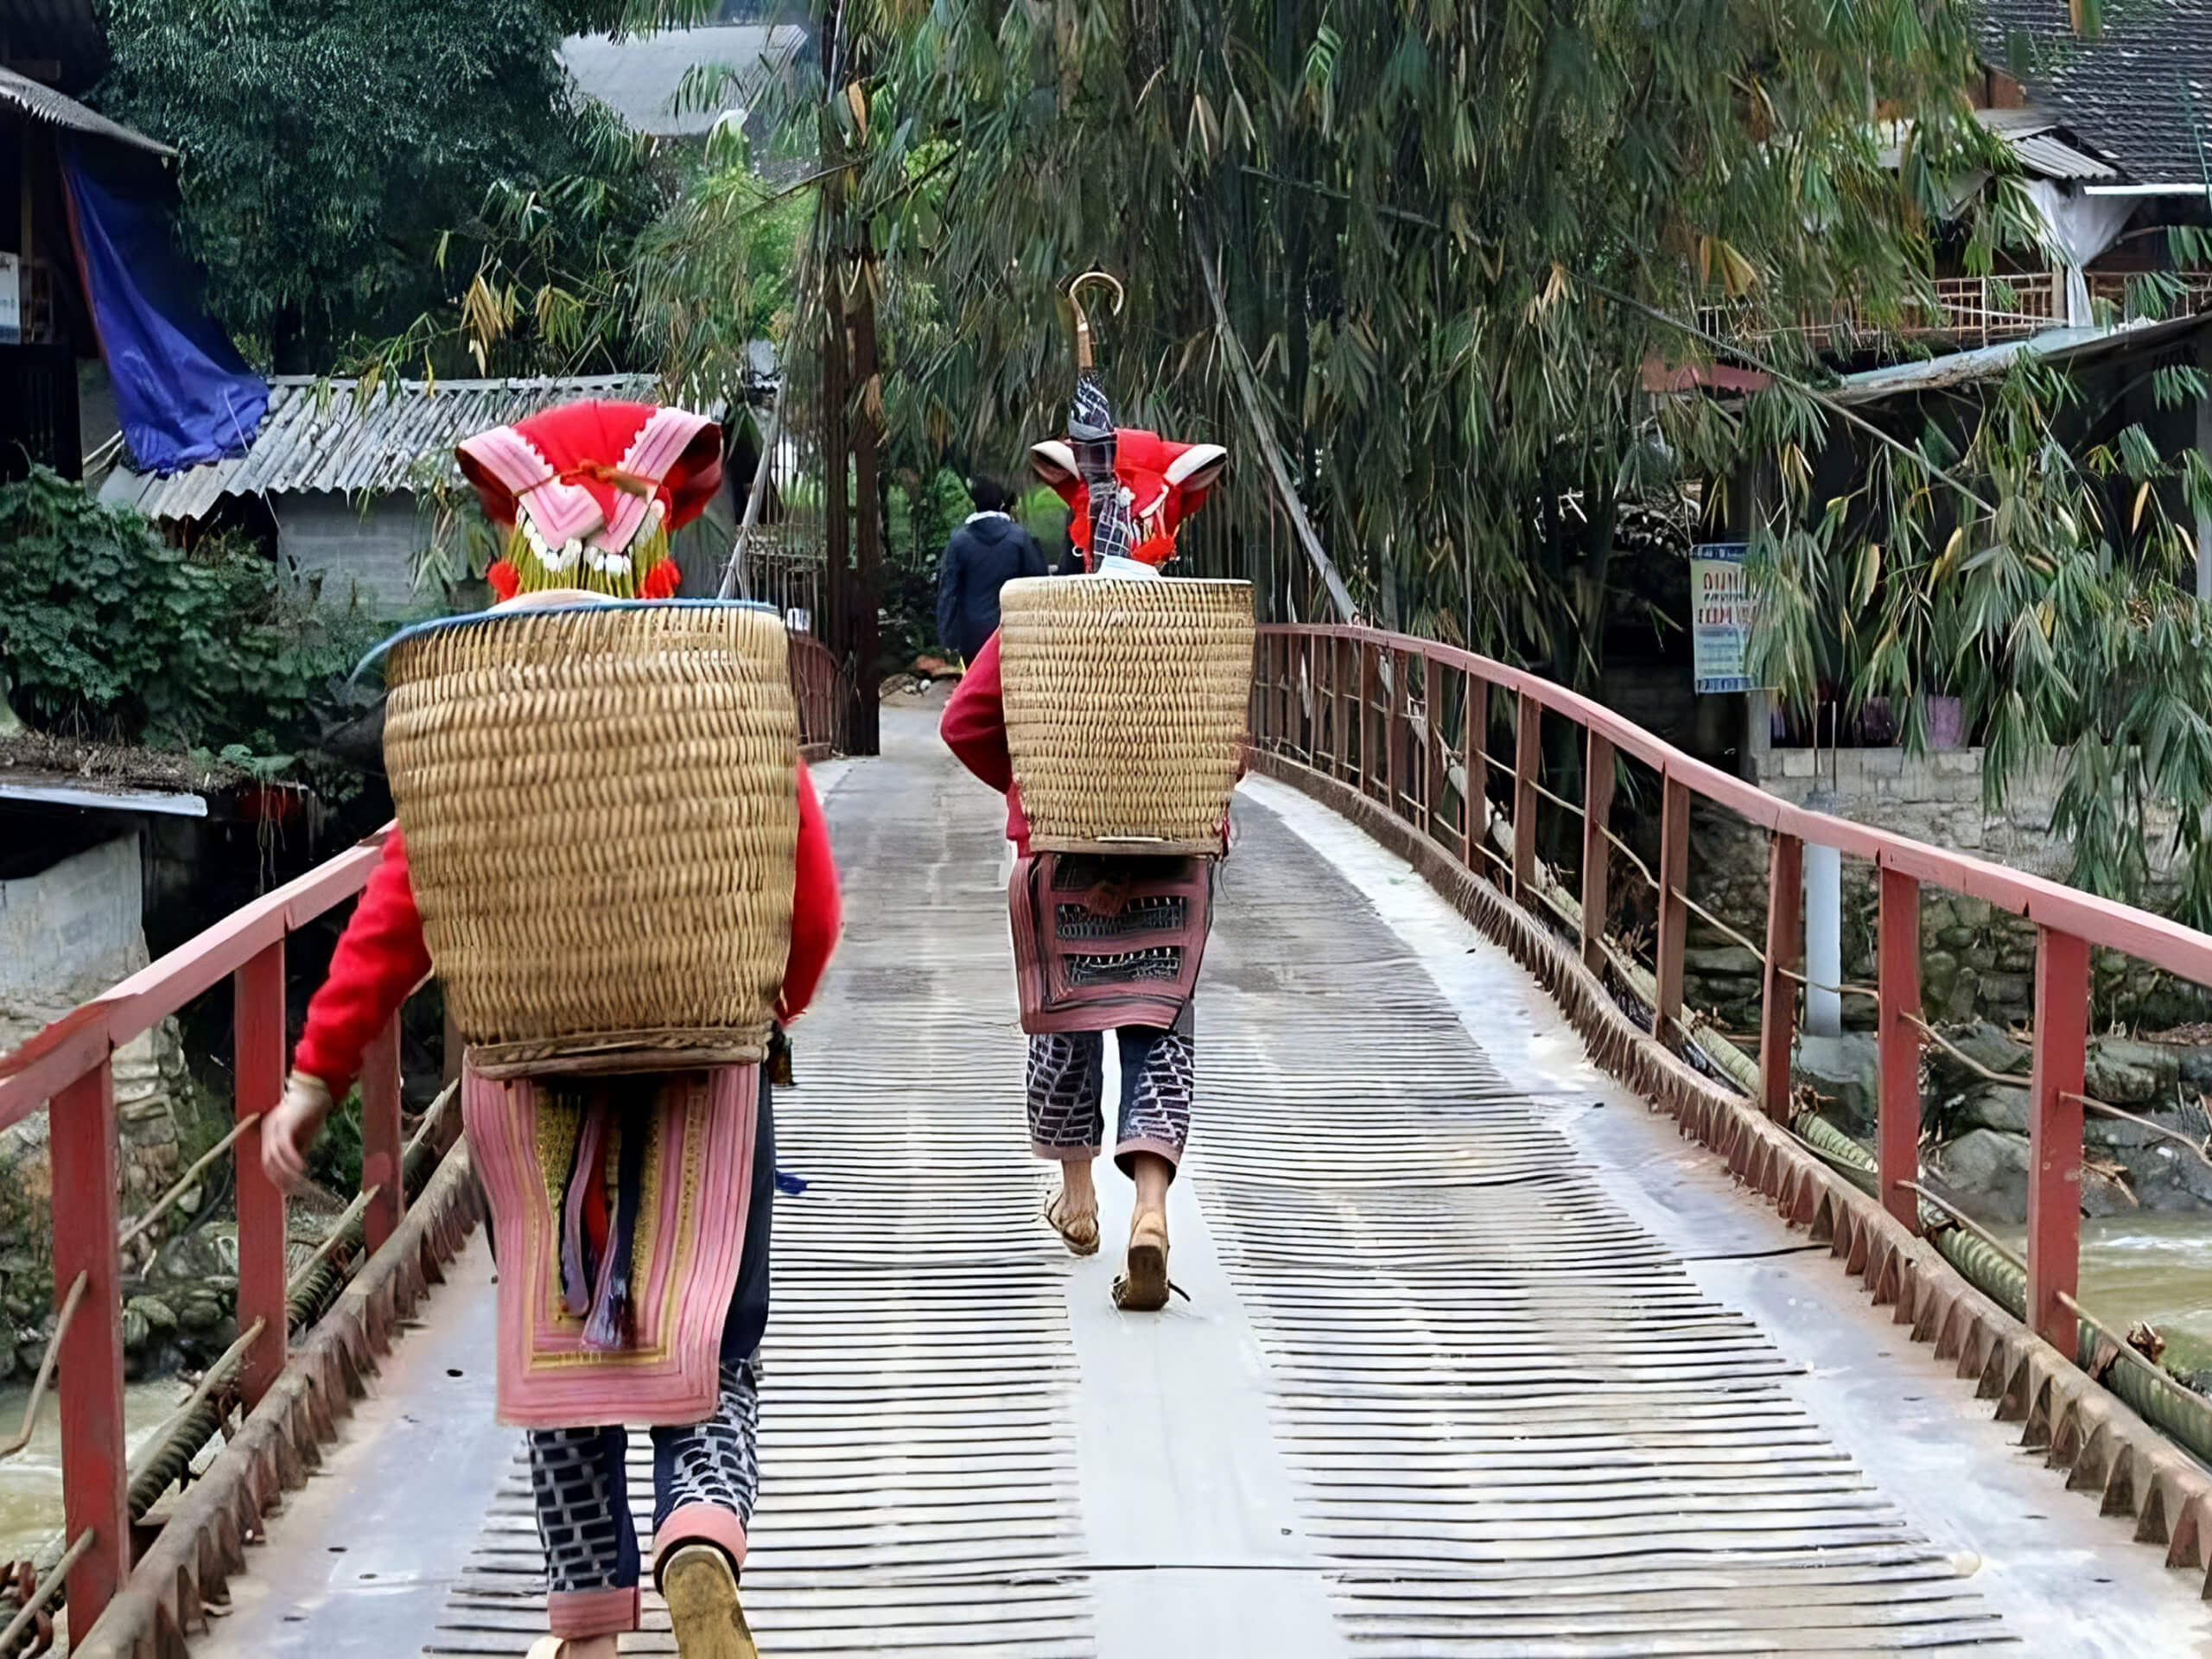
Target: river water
(30, 1482)
(2153, 1268)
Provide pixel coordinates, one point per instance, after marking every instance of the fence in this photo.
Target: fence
(67, 1069)
(819, 686)
(1406, 723)
(1967, 311)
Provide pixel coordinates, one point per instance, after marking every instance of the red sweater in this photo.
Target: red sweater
(382, 958)
(974, 728)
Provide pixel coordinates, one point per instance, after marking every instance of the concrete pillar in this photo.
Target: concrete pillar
(2204, 517)
(1823, 929)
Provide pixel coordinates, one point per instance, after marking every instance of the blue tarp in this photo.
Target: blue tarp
(184, 395)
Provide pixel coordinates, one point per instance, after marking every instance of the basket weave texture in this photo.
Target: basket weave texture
(1126, 705)
(602, 816)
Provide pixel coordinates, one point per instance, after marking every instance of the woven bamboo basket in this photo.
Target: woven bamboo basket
(1126, 704)
(600, 816)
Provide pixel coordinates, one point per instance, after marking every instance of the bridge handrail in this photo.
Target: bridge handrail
(69, 1068)
(2157, 939)
(1309, 679)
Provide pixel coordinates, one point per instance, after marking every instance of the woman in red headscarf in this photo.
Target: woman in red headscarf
(587, 494)
(1103, 943)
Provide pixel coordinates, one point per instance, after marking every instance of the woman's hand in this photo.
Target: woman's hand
(289, 1131)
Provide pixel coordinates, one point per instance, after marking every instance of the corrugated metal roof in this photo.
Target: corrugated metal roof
(324, 434)
(44, 105)
(1989, 362)
(2037, 140)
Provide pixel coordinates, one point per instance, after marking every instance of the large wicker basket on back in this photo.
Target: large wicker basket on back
(600, 816)
(1125, 708)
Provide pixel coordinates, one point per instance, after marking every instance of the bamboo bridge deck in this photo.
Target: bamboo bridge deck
(1479, 1357)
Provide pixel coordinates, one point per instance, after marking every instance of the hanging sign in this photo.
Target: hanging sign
(11, 299)
(1720, 618)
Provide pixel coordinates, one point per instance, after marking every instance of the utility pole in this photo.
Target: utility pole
(863, 733)
(849, 446)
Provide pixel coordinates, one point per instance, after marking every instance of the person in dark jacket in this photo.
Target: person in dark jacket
(984, 554)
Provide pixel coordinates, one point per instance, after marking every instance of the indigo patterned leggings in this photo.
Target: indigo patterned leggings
(1067, 1084)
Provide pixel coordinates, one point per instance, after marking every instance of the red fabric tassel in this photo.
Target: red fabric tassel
(661, 580)
(506, 580)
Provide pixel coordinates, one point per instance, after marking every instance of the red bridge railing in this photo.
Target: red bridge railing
(68, 1070)
(1405, 722)
(820, 699)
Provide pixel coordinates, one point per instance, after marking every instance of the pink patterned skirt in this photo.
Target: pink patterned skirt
(686, 1191)
(1081, 968)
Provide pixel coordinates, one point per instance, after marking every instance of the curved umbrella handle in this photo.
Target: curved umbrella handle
(1082, 355)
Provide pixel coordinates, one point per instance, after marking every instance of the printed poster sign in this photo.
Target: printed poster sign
(1720, 618)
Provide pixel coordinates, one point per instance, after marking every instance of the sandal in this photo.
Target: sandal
(1142, 1286)
(701, 1592)
(1080, 1233)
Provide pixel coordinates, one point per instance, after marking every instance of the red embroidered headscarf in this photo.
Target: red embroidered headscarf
(1163, 482)
(589, 492)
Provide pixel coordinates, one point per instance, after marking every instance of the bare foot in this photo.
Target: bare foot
(1073, 1211)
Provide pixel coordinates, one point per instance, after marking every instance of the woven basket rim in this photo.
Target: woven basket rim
(439, 624)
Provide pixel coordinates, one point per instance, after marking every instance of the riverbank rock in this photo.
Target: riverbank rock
(2123, 1073)
(1987, 1106)
(1987, 1047)
(1988, 1170)
(1841, 1071)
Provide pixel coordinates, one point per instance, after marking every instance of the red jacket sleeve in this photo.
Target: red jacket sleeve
(974, 723)
(817, 910)
(379, 959)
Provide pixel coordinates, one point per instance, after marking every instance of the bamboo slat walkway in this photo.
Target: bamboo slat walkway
(1444, 1386)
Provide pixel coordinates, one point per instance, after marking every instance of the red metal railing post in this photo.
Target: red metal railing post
(1339, 742)
(1394, 733)
(1896, 986)
(1366, 715)
(95, 1459)
(1785, 941)
(381, 1145)
(258, 1024)
(1477, 743)
(1597, 851)
(1438, 775)
(1309, 704)
(1527, 754)
(2062, 1039)
(1674, 914)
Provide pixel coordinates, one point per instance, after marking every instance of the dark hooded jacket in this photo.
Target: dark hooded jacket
(984, 554)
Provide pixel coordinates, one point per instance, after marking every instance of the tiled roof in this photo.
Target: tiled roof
(2140, 92)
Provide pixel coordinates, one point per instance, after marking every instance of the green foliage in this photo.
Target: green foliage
(2027, 555)
(107, 632)
(331, 147)
(1421, 215)
(335, 1160)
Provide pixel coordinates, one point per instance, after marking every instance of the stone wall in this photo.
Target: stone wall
(66, 934)
(1976, 962)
